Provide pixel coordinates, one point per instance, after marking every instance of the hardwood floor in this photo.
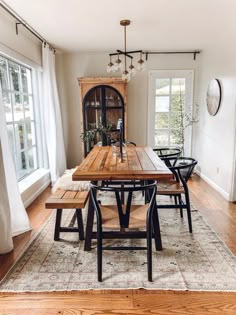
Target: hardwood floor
(220, 215)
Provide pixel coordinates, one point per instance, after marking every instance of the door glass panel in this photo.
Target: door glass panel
(162, 103)
(176, 120)
(162, 86)
(178, 102)
(161, 121)
(178, 86)
(161, 137)
(176, 137)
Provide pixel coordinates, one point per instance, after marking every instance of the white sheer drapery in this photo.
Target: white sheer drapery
(13, 217)
(51, 112)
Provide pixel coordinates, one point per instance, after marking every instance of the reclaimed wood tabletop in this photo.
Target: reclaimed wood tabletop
(140, 163)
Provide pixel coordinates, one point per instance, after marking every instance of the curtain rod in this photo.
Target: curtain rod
(194, 52)
(21, 21)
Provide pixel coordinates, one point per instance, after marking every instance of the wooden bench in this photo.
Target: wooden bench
(68, 199)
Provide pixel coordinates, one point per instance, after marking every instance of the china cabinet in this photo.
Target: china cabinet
(103, 110)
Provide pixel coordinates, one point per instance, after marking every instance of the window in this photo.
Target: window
(16, 83)
(170, 99)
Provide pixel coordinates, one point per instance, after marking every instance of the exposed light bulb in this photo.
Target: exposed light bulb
(141, 64)
(110, 67)
(132, 69)
(118, 64)
(126, 75)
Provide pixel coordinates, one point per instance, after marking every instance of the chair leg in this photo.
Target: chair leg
(181, 209)
(156, 228)
(80, 224)
(57, 225)
(189, 213)
(99, 253)
(149, 249)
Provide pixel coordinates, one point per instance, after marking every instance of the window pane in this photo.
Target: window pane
(14, 76)
(19, 134)
(21, 165)
(30, 133)
(3, 76)
(7, 107)
(18, 109)
(162, 86)
(161, 138)
(28, 106)
(177, 102)
(26, 80)
(32, 159)
(178, 86)
(11, 138)
(162, 103)
(161, 121)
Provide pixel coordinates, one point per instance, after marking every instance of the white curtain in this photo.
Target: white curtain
(52, 116)
(13, 217)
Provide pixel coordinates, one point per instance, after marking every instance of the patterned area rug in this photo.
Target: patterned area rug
(188, 262)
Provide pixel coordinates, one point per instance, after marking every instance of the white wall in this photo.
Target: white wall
(74, 65)
(214, 136)
(24, 44)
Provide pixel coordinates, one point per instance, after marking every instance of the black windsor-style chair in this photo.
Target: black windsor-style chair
(168, 155)
(177, 187)
(124, 220)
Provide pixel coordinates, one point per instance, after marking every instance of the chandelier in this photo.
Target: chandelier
(120, 64)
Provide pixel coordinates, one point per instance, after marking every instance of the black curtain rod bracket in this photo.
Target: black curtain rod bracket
(19, 21)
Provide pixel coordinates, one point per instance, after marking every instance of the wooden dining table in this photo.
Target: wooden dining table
(138, 163)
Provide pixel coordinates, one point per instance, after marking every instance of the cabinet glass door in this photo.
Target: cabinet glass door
(103, 107)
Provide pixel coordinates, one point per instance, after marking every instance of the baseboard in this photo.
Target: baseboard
(34, 185)
(213, 185)
(36, 193)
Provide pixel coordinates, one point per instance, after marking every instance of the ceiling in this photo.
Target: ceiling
(90, 25)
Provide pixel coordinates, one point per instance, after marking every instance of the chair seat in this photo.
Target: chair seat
(110, 217)
(169, 188)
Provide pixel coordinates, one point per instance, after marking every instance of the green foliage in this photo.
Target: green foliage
(90, 134)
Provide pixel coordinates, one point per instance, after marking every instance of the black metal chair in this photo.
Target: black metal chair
(118, 219)
(168, 155)
(182, 170)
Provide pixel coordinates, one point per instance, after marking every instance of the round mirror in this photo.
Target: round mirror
(213, 97)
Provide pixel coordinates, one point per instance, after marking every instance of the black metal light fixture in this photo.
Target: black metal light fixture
(120, 65)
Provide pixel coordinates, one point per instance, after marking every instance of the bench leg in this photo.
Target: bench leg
(57, 225)
(80, 224)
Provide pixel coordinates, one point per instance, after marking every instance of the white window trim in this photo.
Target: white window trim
(152, 76)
